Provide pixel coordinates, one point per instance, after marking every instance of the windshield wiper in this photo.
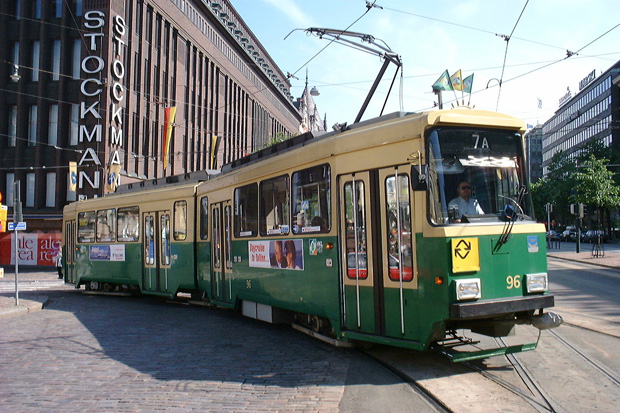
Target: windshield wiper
(510, 215)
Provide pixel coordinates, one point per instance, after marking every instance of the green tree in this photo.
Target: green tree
(280, 137)
(559, 186)
(595, 186)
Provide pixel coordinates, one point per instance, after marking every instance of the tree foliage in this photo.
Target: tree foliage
(595, 185)
(582, 178)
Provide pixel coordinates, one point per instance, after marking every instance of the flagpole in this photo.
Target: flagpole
(439, 101)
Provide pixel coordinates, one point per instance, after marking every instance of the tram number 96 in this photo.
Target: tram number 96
(513, 282)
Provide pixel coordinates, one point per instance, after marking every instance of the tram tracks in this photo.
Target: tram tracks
(536, 394)
(537, 381)
(434, 402)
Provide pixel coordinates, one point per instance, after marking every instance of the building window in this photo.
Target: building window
(56, 60)
(50, 194)
(37, 9)
(78, 7)
(18, 9)
(57, 7)
(74, 127)
(16, 53)
(12, 125)
(52, 130)
(36, 49)
(10, 183)
(77, 55)
(30, 182)
(32, 126)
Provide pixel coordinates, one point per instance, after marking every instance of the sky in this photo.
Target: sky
(434, 36)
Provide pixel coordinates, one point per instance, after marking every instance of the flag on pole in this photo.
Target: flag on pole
(215, 143)
(467, 83)
(114, 172)
(457, 80)
(169, 114)
(539, 103)
(73, 176)
(443, 83)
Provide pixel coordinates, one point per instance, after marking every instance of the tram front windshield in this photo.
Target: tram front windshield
(476, 175)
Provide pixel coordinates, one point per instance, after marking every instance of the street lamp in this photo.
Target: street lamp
(15, 76)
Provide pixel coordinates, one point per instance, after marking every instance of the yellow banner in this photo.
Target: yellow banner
(73, 176)
(114, 172)
(169, 114)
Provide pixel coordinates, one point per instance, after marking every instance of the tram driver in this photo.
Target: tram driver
(463, 204)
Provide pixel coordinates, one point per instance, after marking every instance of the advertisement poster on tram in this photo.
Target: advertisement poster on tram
(284, 254)
(33, 248)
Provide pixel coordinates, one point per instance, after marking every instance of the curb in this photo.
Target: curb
(583, 261)
(25, 307)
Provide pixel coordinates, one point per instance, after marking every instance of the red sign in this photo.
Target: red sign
(33, 248)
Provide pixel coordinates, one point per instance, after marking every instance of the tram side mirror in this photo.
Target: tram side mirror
(453, 213)
(418, 180)
(451, 165)
(509, 213)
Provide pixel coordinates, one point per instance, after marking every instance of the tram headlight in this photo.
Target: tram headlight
(468, 289)
(537, 283)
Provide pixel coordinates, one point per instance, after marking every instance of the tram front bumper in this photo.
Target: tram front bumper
(485, 308)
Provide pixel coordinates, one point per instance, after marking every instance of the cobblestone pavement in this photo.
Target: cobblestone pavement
(93, 353)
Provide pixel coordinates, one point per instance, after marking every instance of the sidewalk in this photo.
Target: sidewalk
(33, 302)
(566, 251)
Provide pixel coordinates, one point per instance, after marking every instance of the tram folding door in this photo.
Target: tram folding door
(70, 252)
(378, 279)
(156, 246)
(221, 254)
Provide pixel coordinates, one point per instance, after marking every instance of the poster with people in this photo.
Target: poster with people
(283, 254)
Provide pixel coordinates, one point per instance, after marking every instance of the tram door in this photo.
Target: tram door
(69, 254)
(361, 298)
(221, 253)
(378, 277)
(156, 246)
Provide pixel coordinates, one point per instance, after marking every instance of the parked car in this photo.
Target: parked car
(592, 236)
(569, 235)
(553, 235)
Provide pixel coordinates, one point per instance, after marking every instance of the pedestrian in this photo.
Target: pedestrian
(59, 264)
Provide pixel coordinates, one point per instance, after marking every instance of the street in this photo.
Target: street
(98, 353)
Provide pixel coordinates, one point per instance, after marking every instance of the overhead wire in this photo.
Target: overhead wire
(507, 39)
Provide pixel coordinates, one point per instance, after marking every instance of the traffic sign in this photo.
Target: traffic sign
(19, 226)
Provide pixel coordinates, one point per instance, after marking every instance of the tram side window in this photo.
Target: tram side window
(398, 226)
(180, 220)
(355, 216)
(246, 211)
(274, 206)
(204, 218)
(106, 225)
(86, 226)
(128, 224)
(312, 200)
